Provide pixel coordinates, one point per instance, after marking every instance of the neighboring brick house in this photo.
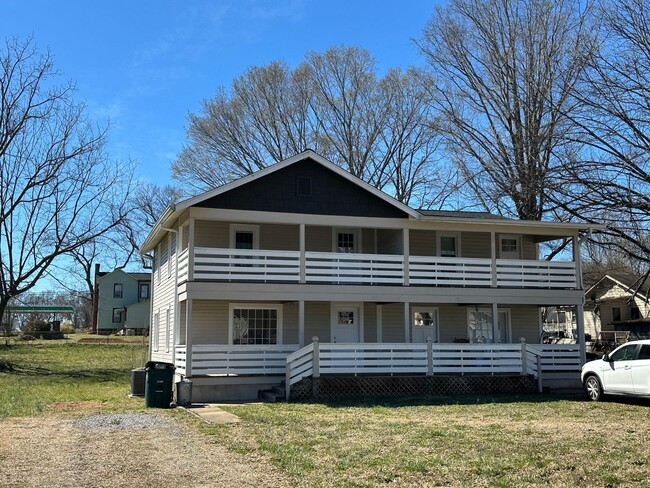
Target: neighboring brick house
(122, 301)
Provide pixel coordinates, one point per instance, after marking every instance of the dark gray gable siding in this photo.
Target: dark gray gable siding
(331, 194)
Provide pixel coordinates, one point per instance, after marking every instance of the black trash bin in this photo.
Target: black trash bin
(158, 384)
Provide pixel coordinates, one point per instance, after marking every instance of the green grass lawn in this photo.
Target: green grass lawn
(38, 374)
(528, 441)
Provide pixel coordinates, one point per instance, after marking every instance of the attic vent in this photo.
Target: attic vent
(303, 186)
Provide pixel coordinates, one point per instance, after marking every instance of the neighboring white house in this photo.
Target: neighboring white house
(302, 270)
(121, 301)
(618, 303)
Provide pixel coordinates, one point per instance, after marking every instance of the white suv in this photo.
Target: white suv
(626, 371)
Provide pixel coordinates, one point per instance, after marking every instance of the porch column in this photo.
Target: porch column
(188, 338)
(303, 261)
(493, 255)
(405, 255)
(577, 260)
(301, 323)
(495, 323)
(190, 251)
(580, 325)
(407, 322)
(380, 325)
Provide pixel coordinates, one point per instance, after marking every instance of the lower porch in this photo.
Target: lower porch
(222, 372)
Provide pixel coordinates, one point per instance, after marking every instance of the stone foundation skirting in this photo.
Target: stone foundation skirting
(327, 388)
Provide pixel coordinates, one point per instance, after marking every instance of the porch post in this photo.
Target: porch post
(407, 322)
(380, 325)
(190, 251)
(580, 325)
(315, 359)
(495, 323)
(429, 356)
(524, 357)
(301, 323)
(493, 255)
(361, 323)
(303, 261)
(405, 255)
(578, 261)
(188, 338)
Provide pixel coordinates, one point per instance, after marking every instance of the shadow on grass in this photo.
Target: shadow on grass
(85, 374)
(538, 398)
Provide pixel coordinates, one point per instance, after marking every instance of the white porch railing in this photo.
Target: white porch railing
(181, 360)
(536, 274)
(254, 265)
(209, 359)
(555, 361)
(437, 271)
(363, 269)
(246, 265)
(183, 266)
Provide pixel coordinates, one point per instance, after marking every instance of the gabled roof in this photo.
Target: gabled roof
(629, 282)
(135, 276)
(288, 162)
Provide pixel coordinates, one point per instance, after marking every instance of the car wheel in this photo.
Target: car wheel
(593, 388)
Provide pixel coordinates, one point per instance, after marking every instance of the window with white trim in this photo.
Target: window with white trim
(168, 334)
(155, 336)
(244, 236)
(448, 244)
(479, 325)
(256, 324)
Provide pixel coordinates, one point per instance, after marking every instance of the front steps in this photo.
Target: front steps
(273, 395)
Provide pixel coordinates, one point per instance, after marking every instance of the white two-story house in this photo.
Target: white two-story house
(301, 270)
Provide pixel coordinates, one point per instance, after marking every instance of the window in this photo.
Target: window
(644, 353)
(425, 325)
(167, 330)
(480, 326)
(256, 324)
(117, 315)
(244, 236)
(117, 290)
(156, 331)
(625, 353)
(616, 314)
(509, 247)
(143, 293)
(346, 240)
(448, 245)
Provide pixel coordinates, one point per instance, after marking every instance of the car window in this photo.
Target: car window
(644, 353)
(625, 353)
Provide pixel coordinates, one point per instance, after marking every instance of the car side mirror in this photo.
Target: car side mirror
(606, 358)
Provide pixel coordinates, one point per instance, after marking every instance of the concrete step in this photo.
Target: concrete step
(272, 395)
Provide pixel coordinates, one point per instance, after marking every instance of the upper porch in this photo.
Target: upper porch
(352, 254)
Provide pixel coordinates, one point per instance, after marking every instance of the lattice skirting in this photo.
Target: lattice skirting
(358, 387)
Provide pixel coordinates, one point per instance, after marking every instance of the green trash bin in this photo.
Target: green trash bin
(158, 384)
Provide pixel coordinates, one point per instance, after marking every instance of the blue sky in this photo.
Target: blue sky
(144, 65)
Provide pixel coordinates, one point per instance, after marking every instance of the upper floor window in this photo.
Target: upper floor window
(616, 314)
(143, 292)
(635, 313)
(346, 240)
(117, 290)
(244, 236)
(509, 247)
(448, 244)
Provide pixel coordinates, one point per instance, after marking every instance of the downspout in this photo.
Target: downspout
(153, 282)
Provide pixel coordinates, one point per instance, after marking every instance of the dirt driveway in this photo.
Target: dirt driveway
(143, 450)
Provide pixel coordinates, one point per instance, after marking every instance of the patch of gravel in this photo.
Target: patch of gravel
(123, 421)
(147, 450)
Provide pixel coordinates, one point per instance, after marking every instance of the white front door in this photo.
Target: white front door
(425, 324)
(345, 323)
(509, 247)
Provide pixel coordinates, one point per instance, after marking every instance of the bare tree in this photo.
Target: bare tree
(613, 176)
(58, 191)
(380, 130)
(502, 76)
